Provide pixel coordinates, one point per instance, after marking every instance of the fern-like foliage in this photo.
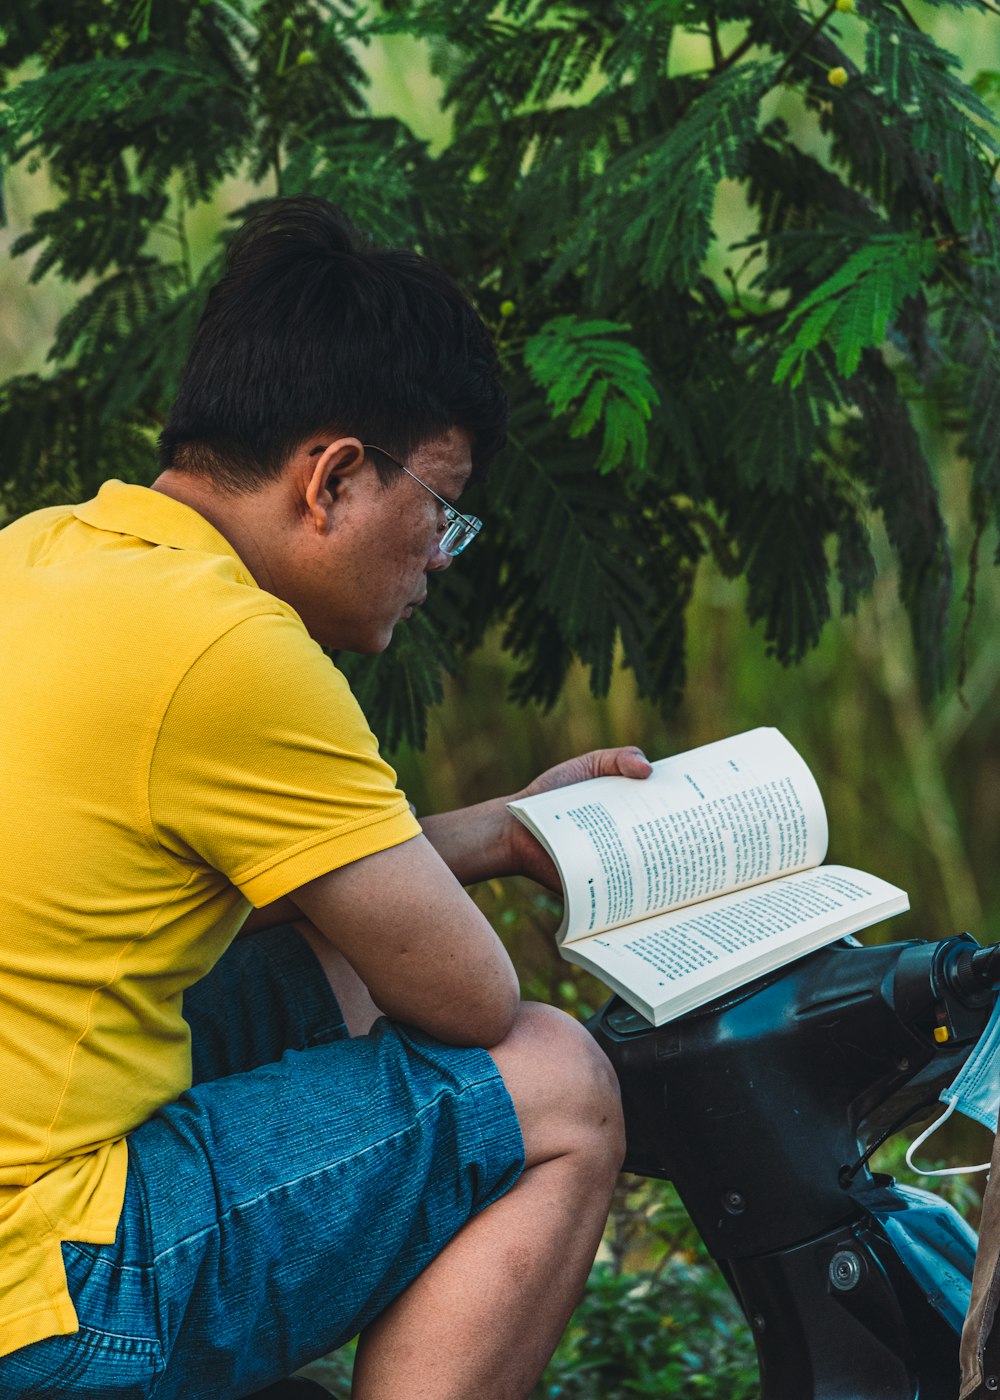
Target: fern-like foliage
(40, 111)
(852, 309)
(56, 446)
(626, 220)
(974, 335)
(591, 374)
(92, 234)
(778, 432)
(110, 315)
(671, 400)
(889, 456)
(573, 557)
(370, 166)
(401, 685)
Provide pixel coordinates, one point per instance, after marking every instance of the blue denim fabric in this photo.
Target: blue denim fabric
(270, 1214)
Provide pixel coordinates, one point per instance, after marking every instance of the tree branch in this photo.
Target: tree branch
(737, 53)
(713, 38)
(803, 43)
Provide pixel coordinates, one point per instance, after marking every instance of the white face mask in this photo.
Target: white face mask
(975, 1091)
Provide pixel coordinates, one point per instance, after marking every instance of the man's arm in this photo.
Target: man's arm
(486, 842)
(409, 930)
(282, 911)
(405, 924)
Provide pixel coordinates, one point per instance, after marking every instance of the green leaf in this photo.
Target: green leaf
(889, 458)
(111, 313)
(570, 561)
(144, 370)
(851, 309)
(628, 220)
(57, 447)
(777, 428)
(139, 89)
(589, 372)
(367, 168)
(397, 687)
(88, 236)
(781, 538)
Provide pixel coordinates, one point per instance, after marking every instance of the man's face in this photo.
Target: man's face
(370, 570)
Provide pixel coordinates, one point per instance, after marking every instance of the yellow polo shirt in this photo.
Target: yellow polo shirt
(173, 748)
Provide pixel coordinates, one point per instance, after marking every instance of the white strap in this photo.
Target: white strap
(941, 1171)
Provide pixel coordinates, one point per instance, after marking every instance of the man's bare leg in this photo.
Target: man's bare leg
(482, 1320)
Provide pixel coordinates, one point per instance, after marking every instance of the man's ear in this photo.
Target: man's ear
(326, 468)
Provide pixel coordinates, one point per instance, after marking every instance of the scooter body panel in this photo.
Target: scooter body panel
(869, 1312)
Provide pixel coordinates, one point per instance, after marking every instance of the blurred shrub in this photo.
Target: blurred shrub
(657, 1318)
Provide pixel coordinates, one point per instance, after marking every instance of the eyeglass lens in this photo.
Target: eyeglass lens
(459, 534)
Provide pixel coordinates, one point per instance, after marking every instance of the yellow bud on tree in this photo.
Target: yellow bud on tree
(837, 77)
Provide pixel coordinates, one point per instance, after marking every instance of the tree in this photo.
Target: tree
(664, 408)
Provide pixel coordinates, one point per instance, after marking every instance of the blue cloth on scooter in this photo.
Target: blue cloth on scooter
(281, 1203)
(975, 1091)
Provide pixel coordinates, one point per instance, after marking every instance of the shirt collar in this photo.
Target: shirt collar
(124, 509)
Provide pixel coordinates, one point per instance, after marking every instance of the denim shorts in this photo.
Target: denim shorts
(281, 1203)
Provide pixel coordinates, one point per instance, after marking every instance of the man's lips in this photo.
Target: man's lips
(408, 610)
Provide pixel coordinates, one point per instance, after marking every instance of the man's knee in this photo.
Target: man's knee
(563, 1088)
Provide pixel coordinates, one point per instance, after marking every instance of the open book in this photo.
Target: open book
(707, 874)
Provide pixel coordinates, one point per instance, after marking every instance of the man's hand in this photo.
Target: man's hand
(486, 841)
(527, 855)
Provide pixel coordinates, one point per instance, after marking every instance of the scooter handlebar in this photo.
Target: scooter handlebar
(974, 975)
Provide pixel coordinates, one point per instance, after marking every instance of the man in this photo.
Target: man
(175, 747)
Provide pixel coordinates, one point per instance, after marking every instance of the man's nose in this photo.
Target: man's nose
(438, 560)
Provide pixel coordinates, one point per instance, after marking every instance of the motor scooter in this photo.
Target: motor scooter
(764, 1109)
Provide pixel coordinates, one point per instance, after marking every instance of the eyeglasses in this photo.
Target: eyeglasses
(459, 531)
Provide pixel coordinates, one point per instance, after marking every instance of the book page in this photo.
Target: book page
(672, 962)
(724, 816)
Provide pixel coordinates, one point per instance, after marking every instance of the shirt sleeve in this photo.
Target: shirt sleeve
(265, 768)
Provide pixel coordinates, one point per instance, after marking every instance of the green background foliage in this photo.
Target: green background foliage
(748, 321)
(666, 408)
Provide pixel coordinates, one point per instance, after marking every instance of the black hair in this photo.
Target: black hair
(313, 329)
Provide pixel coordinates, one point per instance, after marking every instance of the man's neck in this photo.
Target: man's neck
(239, 518)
